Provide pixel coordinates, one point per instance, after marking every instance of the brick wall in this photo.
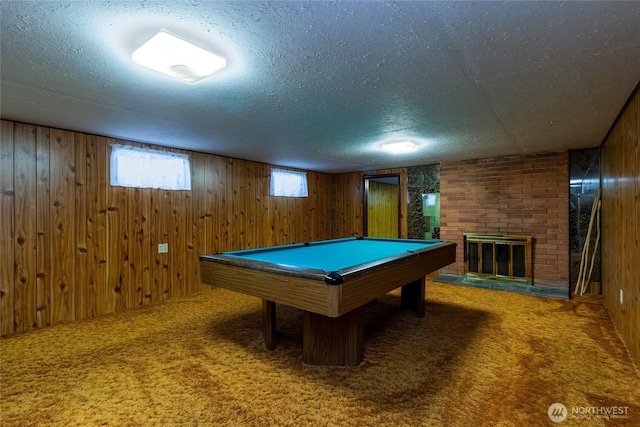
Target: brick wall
(526, 194)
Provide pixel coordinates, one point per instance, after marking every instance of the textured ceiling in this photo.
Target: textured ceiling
(320, 85)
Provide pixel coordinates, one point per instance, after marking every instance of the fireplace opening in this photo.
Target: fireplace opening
(498, 256)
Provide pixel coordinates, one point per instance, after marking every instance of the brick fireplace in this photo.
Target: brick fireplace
(514, 195)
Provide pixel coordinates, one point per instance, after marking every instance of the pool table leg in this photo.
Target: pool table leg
(412, 297)
(269, 324)
(333, 340)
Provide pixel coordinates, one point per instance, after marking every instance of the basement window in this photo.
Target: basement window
(288, 183)
(146, 168)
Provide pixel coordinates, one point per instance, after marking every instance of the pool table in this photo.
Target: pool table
(331, 281)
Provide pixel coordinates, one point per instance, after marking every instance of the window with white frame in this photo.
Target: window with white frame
(146, 168)
(288, 183)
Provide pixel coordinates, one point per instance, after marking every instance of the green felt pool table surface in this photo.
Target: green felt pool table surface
(334, 255)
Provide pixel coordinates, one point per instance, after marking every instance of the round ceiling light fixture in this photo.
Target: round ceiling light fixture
(399, 147)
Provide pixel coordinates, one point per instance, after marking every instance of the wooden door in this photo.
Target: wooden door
(382, 207)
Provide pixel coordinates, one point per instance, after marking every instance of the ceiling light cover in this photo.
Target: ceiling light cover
(399, 147)
(177, 58)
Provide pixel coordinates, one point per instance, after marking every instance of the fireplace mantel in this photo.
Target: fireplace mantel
(498, 256)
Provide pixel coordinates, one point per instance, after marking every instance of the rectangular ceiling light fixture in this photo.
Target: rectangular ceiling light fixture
(177, 58)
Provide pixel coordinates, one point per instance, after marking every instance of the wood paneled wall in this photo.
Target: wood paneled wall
(73, 247)
(347, 214)
(620, 158)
